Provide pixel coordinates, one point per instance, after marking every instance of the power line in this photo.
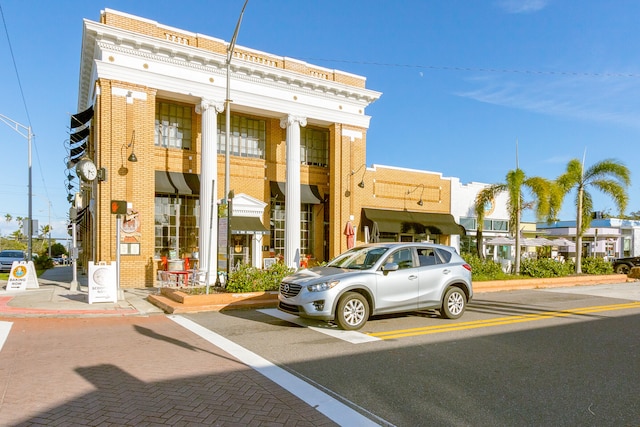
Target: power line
(476, 69)
(15, 66)
(24, 103)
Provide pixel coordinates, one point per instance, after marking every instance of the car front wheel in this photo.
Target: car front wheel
(453, 303)
(622, 269)
(352, 312)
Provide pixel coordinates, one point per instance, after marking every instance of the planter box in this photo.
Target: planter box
(176, 301)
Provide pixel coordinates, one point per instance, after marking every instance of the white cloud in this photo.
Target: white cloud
(591, 98)
(522, 6)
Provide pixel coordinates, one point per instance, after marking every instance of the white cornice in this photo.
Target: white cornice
(187, 70)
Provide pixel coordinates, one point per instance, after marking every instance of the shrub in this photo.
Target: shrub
(42, 263)
(486, 269)
(545, 267)
(251, 279)
(593, 265)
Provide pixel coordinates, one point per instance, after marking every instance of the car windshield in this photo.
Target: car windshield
(11, 254)
(358, 258)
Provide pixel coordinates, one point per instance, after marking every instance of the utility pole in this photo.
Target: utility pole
(25, 131)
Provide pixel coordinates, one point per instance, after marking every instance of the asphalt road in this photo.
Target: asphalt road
(560, 357)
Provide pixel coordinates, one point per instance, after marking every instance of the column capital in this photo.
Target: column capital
(291, 119)
(205, 104)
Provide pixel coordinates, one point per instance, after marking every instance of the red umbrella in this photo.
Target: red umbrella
(350, 233)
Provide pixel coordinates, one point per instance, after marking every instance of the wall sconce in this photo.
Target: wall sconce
(360, 184)
(132, 157)
(123, 170)
(419, 202)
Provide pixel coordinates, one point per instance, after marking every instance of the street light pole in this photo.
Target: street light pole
(20, 128)
(227, 108)
(230, 49)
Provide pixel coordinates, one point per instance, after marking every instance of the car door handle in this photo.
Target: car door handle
(446, 271)
(413, 277)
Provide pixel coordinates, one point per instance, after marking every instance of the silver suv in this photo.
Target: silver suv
(377, 279)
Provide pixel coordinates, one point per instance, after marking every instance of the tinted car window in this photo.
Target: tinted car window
(445, 255)
(403, 257)
(427, 256)
(11, 254)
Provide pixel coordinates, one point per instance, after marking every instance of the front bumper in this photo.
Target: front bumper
(316, 308)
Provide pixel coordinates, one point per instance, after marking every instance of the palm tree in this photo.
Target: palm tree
(546, 203)
(609, 176)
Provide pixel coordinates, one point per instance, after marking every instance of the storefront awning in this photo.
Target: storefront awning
(247, 225)
(411, 222)
(308, 193)
(177, 183)
(82, 118)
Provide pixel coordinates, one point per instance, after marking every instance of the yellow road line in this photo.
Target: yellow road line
(402, 333)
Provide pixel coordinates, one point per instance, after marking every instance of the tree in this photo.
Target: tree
(609, 176)
(546, 203)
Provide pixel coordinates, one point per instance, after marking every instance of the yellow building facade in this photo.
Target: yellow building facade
(156, 95)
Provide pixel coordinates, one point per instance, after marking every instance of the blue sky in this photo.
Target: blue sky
(462, 81)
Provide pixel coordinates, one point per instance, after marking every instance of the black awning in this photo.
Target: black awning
(177, 183)
(411, 222)
(77, 151)
(80, 119)
(74, 138)
(247, 225)
(308, 193)
(81, 214)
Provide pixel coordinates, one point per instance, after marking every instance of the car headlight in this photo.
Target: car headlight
(324, 286)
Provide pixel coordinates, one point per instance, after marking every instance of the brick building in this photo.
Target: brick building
(296, 166)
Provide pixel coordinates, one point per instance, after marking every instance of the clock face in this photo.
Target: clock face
(87, 170)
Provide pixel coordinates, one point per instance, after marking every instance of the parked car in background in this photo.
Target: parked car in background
(7, 257)
(380, 278)
(624, 265)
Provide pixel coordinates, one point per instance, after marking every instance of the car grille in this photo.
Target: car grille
(293, 309)
(289, 289)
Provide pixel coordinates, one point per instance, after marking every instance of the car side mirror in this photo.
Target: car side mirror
(390, 266)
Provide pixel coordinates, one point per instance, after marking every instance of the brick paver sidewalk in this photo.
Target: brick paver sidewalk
(133, 371)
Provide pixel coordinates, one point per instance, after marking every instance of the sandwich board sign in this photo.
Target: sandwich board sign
(102, 282)
(22, 276)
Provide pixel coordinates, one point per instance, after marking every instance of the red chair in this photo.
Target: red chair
(164, 262)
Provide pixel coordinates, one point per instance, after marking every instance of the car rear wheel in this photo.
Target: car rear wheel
(622, 269)
(453, 303)
(352, 312)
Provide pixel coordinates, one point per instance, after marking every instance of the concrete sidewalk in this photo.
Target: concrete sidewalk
(54, 297)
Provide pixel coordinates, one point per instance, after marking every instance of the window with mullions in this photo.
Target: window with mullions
(176, 225)
(314, 146)
(248, 136)
(468, 223)
(471, 224)
(173, 125)
(496, 225)
(306, 228)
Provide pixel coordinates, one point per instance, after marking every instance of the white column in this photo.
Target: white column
(256, 248)
(208, 230)
(292, 196)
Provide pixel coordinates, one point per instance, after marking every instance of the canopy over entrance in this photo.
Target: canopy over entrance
(389, 221)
